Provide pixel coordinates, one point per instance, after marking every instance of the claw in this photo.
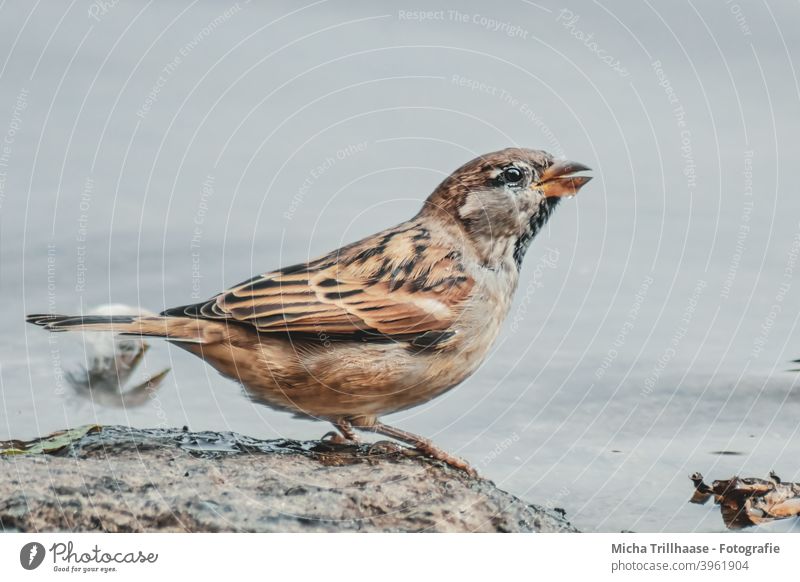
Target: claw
(388, 448)
(332, 437)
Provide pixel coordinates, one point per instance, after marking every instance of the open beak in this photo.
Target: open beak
(560, 179)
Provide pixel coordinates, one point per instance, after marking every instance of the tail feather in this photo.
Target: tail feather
(181, 329)
(53, 321)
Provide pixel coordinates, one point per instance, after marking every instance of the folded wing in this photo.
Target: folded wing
(396, 285)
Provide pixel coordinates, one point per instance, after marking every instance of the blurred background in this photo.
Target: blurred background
(153, 153)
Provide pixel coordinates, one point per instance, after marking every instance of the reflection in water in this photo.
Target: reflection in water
(111, 362)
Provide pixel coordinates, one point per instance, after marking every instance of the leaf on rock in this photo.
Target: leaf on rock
(49, 444)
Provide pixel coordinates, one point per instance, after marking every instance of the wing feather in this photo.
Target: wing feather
(396, 284)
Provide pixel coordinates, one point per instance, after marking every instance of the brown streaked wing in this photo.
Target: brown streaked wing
(375, 286)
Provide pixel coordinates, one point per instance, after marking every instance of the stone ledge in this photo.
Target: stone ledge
(119, 479)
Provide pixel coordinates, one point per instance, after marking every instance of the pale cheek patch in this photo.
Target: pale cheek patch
(495, 214)
(475, 204)
(488, 205)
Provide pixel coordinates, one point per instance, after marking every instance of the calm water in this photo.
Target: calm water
(155, 153)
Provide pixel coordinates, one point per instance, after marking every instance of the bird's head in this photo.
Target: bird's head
(502, 199)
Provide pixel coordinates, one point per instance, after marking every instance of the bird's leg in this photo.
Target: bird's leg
(345, 435)
(346, 428)
(421, 444)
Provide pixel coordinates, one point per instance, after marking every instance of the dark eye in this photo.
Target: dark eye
(512, 175)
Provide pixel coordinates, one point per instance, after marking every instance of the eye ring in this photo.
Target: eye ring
(512, 175)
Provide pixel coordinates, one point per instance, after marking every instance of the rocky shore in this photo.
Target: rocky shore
(118, 479)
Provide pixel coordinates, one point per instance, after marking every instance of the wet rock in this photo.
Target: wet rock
(130, 480)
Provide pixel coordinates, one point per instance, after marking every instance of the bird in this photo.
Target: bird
(381, 325)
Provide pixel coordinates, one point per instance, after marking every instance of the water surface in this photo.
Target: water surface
(156, 153)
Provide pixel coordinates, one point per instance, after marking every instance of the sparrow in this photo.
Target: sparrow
(383, 324)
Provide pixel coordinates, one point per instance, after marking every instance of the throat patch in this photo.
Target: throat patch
(537, 221)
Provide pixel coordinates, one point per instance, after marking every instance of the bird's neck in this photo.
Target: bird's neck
(535, 224)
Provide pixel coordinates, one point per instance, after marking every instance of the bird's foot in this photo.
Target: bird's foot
(434, 452)
(334, 437)
(427, 450)
(420, 445)
(343, 435)
(389, 448)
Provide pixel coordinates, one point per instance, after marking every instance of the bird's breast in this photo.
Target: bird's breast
(482, 317)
